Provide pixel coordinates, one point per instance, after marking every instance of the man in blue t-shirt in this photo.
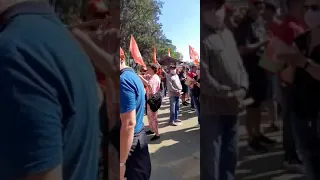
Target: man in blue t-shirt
(134, 153)
(48, 98)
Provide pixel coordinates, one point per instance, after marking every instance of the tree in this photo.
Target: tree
(140, 18)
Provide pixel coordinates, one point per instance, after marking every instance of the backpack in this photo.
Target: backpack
(155, 101)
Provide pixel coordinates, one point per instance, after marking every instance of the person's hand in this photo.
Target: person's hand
(122, 172)
(239, 94)
(110, 40)
(294, 60)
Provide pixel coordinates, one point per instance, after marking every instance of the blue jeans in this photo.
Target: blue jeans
(290, 151)
(192, 102)
(219, 146)
(174, 108)
(164, 90)
(307, 140)
(196, 101)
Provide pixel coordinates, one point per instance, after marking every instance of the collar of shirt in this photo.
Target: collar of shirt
(27, 7)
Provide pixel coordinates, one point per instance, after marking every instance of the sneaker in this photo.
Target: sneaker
(149, 132)
(155, 137)
(193, 109)
(265, 140)
(185, 103)
(178, 121)
(256, 146)
(173, 124)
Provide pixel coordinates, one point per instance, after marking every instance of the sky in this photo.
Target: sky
(181, 24)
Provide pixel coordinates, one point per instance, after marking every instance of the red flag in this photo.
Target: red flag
(122, 56)
(154, 56)
(135, 53)
(169, 52)
(194, 56)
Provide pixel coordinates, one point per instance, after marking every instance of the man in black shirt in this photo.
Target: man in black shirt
(306, 101)
(183, 78)
(250, 36)
(196, 94)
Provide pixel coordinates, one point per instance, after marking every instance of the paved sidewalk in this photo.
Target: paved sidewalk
(176, 155)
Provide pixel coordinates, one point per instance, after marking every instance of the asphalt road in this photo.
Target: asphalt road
(176, 155)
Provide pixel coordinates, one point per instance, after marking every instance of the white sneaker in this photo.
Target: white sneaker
(173, 124)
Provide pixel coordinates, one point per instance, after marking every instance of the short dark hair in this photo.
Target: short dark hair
(271, 7)
(154, 67)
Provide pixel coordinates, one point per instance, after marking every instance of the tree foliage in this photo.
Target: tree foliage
(140, 18)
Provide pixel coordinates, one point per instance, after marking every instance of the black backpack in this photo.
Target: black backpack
(155, 101)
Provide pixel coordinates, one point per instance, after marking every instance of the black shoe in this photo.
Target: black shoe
(155, 137)
(185, 103)
(293, 164)
(265, 140)
(149, 132)
(256, 146)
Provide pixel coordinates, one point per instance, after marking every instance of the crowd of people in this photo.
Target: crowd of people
(50, 111)
(234, 48)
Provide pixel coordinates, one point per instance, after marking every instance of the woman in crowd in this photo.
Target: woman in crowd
(152, 82)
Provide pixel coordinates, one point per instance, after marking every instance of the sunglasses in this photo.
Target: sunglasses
(312, 7)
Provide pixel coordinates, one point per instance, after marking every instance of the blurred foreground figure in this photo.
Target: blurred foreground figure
(48, 98)
(305, 91)
(226, 83)
(135, 160)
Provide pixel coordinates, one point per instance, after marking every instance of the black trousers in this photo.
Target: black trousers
(138, 165)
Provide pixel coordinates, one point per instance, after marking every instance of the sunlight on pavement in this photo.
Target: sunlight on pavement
(155, 147)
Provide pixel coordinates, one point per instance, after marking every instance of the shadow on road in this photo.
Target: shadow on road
(178, 157)
(179, 148)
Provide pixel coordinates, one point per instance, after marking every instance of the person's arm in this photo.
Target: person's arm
(198, 84)
(241, 36)
(87, 24)
(105, 62)
(31, 116)
(170, 86)
(144, 81)
(251, 48)
(212, 85)
(128, 119)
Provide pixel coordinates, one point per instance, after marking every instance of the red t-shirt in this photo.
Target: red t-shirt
(287, 31)
(191, 74)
